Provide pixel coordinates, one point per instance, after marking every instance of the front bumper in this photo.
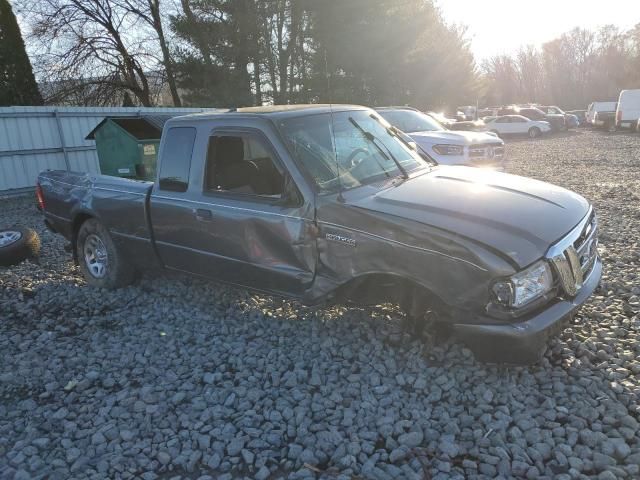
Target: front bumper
(523, 342)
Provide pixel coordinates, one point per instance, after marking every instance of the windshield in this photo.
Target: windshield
(409, 121)
(533, 113)
(366, 149)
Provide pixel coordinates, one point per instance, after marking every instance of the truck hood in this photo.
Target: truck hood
(519, 217)
(457, 137)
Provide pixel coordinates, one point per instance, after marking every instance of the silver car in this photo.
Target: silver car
(446, 147)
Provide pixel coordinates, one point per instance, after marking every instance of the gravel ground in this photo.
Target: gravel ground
(180, 378)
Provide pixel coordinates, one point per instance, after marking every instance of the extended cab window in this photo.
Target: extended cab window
(176, 159)
(242, 163)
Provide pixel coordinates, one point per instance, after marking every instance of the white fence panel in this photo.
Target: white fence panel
(33, 139)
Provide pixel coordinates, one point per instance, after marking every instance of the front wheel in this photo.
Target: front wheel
(534, 132)
(101, 263)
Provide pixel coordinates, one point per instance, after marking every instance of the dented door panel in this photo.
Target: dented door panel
(260, 246)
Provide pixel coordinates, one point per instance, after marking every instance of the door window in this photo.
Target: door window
(176, 159)
(242, 163)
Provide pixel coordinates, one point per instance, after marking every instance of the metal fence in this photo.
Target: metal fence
(33, 139)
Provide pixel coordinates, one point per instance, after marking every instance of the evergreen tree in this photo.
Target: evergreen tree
(387, 52)
(17, 83)
(215, 73)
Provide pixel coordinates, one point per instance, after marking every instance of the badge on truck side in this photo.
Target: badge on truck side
(332, 237)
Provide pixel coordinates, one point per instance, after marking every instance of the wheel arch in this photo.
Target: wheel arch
(373, 288)
(78, 219)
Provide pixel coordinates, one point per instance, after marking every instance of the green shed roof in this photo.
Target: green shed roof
(147, 127)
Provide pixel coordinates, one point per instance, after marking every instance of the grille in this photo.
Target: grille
(577, 255)
(487, 150)
(587, 245)
(586, 231)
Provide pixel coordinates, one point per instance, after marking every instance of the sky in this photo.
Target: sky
(502, 26)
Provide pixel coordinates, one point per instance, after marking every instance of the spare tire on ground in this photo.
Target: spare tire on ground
(18, 244)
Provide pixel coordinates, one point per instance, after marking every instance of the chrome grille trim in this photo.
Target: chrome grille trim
(573, 256)
(487, 150)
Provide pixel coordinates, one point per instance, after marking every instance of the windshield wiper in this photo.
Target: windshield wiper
(402, 136)
(376, 141)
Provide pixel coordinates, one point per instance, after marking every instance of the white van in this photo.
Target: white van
(596, 107)
(628, 111)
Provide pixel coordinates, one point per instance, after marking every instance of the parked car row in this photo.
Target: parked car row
(554, 116)
(609, 115)
(472, 137)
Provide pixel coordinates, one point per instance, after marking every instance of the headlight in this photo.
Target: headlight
(448, 149)
(524, 286)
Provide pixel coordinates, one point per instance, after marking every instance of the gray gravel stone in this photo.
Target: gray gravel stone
(262, 473)
(411, 439)
(164, 458)
(235, 446)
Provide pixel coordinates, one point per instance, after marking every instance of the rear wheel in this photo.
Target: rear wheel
(101, 263)
(534, 132)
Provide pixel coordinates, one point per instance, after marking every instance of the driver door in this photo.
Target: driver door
(256, 227)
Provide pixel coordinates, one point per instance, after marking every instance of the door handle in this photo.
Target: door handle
(203, 214)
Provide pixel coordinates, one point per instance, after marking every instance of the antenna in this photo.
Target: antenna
(340, 198)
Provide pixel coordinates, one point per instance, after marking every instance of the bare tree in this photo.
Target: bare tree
(502, 75)
(91, 42)
(149, 12)
(531, 74)
(578, 67)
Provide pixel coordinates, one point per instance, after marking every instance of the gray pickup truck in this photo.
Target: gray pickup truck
(328, 204)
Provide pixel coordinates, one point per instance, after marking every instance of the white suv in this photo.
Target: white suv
(518, 125)
(447, 147)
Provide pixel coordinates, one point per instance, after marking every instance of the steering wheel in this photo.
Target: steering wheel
(354, 154)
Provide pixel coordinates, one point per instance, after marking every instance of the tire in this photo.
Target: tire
(101, 264)
(611, 127)
(534, 132)
(18, 244)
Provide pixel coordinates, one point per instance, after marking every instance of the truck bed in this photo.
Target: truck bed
(123, 206)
